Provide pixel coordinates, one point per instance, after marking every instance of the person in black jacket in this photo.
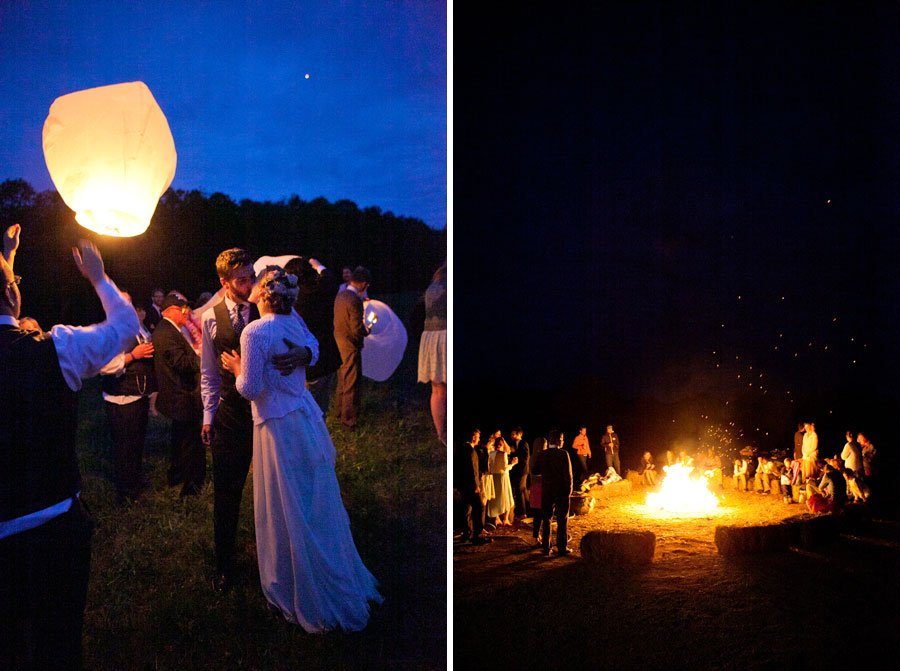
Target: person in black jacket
(518, 474)
(177, 369)
(315, 304)
(555, 469)
(467, 481)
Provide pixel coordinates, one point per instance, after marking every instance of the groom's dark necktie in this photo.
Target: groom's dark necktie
(239, 318)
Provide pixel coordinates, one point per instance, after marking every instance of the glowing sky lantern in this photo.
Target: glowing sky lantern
(386, 342)
(111, 155)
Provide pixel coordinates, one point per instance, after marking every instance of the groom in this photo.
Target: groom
(227, 421)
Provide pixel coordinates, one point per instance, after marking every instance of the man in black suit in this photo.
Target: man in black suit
(555, 469)
(177, 370)
(154, 312)
(350, 333)
(518, 474)
(315, 304)
(45, 532)
(467, 481)
(227, 425)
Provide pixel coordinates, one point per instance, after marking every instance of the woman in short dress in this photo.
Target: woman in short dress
(433, 350)
(309, 567)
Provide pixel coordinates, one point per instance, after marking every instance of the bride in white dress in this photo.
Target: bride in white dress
(308, 564)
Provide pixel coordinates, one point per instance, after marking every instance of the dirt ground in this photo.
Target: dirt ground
(691, 608)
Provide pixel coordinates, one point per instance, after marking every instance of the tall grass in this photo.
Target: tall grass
(151, 604)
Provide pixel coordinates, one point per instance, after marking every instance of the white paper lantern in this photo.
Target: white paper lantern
(260, 264)
(384, 346)
(111, 155)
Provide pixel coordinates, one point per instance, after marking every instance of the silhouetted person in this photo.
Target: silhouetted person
(315, 304)
(555, 469)
(350, 333)
(177, 369)
(45, 532)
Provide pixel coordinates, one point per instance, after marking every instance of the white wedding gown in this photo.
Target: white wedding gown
(308, 564)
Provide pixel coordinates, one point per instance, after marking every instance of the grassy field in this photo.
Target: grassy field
(150, 601)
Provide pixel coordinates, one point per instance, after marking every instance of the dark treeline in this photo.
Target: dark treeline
(189, 229)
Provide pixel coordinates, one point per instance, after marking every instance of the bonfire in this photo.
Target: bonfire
(681, 493)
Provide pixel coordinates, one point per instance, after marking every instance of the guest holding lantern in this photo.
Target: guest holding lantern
(45, 532)
(315, 304)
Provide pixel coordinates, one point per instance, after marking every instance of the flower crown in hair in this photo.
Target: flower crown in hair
(276, 282)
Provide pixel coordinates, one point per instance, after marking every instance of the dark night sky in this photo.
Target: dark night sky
(643, 191)
(368, 125)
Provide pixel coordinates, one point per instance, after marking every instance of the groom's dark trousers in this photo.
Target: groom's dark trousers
(232, 447)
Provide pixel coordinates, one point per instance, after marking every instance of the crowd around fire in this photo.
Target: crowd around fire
(505, 481)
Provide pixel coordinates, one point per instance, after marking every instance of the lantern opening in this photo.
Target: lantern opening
(112, 222)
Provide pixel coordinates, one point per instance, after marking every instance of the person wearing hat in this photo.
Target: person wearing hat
(349, 334)
(177, 368)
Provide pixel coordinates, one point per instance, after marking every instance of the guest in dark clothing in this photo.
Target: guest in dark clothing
(518, 474)
(610, 443)
(45, 531)
(315, 304)
(538, 446)
(555, 469)
(467, 481)
(154, 312)
(128, 381)
(177, 369)
(349, 334)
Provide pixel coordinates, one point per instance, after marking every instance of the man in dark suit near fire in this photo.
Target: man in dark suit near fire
(555, 469)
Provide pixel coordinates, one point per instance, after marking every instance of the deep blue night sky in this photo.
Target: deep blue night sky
(654, 200)
(369, 125)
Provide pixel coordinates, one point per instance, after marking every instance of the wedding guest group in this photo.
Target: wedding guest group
(189, 357)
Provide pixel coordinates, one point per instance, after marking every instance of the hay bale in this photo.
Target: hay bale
(613, 489)
(854, 518)
(634, 477)
(818, 530)
(618, 548)
(809, 531)
(733, 541)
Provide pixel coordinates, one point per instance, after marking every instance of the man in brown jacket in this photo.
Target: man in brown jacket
(350, 333)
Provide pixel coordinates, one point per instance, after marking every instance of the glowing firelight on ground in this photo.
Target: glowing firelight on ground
(682, 494)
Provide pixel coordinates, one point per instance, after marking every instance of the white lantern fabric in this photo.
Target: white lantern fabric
(386, 342)
(110, 153)
(264, 261)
